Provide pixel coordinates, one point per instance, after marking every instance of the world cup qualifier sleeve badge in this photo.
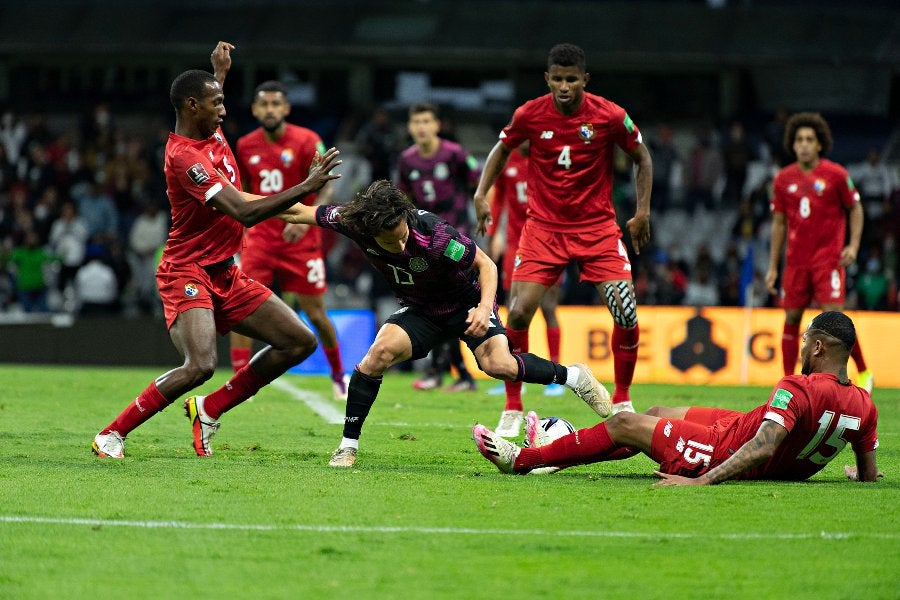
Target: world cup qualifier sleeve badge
(586, 132)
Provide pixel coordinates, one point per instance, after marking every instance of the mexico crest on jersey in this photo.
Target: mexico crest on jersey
(287, 157)
(586, 132)
(417, 264)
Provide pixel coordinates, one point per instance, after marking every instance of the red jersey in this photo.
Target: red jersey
(815, 207)
(570, 173)
(821, 417)
(511, 193)
(271, 167)
(199, 233)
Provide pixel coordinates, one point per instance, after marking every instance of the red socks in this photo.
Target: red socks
(241, 386)
(334, 361)
(553, 343)
(592, 444)
(148, 403)
(790, 347)
(240, 358)
(625, 351)
(518, 339)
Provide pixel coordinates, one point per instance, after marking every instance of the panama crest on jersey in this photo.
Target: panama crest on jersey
(287, 156)
(191, 290)
(586, 132)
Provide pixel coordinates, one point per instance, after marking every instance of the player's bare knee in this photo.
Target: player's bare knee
(504, 370)
(199, 370)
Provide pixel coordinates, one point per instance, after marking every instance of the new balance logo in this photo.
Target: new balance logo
(547, 135)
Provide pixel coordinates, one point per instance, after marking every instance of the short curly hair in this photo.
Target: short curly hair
(567, 55)
(808, 119)
(837, 325)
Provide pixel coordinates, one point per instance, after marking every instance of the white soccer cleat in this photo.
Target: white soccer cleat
(510, 423)
(494, 448)
(109, 445)
(626, 406)
(202, 426)
(592, 391)
(343, 457)
(340, 388)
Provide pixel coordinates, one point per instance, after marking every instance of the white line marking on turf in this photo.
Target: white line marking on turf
(827, 535)
(316, 402)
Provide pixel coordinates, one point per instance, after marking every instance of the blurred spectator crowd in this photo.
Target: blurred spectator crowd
(84, 215)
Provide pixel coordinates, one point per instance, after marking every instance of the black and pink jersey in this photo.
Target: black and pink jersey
(432, 273)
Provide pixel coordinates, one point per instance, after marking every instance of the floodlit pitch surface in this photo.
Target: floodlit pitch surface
(422, 515)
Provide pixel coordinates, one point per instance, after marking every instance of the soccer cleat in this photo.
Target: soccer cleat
(866, 380)
(591, 391)
(427, 383)
(462, 385)
(537, 437)
(625, 406)
(510, 423)
(202, 426)
(494, 448)
(109, 445)
(343, 457)
(340, 388)
(554, 389)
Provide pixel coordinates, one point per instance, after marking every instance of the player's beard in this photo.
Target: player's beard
(806, 368)
(274, 127)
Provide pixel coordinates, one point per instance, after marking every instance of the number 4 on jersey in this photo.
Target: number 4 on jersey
(564, 158)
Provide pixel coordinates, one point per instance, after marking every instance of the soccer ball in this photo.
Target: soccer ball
(551, 429)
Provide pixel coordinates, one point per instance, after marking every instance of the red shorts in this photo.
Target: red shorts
(226, 290)
(803, 283)
(695, 444)
(542, 255)
(297, 272)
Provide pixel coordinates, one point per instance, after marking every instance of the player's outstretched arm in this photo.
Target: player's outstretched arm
(235, 204)
(753, 453)
(493, 166)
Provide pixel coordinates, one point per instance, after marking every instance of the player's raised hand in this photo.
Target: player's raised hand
(639, 228)
(320, 171)
(221, 60)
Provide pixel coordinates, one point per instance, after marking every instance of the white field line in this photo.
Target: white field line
(316, 402)
(544, 533)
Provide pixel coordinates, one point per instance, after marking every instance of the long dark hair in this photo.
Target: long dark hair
(380, 208)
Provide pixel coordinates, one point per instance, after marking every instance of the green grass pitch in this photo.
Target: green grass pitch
(422, 515)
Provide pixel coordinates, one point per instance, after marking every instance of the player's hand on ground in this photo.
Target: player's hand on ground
(321, 167)
(221, 58)
(294, 232)
(853, 475)
(478, 320)
(639, 228)
(483, 213)
(668, 479)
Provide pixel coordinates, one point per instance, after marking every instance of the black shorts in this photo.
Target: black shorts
(426, 332)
